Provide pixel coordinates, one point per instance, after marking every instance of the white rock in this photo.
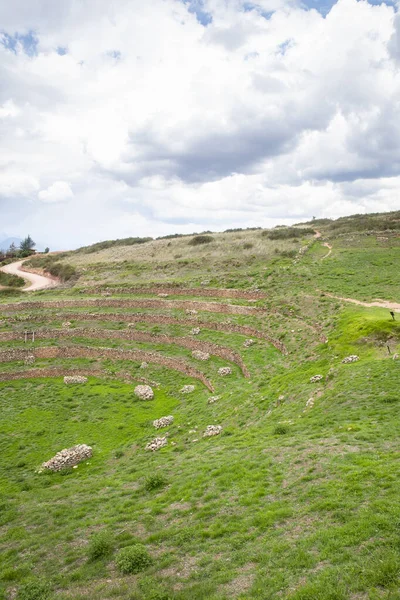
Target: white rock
(200, 355)
(212, 430)
(195, 331)
(144, 365)
(350, 359)
(69, 457)
(187, 389)
(156, 444)
(163, 422)
(68, 379)
(224, 371)
(144, 392)
(213, 399)
(248, 343)
(316, 378)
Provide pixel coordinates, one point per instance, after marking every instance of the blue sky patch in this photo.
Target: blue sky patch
(29, 42)
(197, 7)
(324, 6)
(62, 51)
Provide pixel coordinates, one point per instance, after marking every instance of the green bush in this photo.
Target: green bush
(133, 559)
(287, 233)
(154, 482)
(201, 239)
(100, 545)
(281, 430)
(9, 280)
(34, 590)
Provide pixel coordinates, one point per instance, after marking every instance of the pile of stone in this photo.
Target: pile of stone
(162, 295)
(212, 430)
(144, 392)
(29, 360)
(69, 457)
(71, 379)
(195, 331)
(187, 389)
(156, 444)
(224, 371)
(66, 324)
(316, 378)
(213, 399)
(350, 359)
(144, 365)
(200, 355)
(191, 311)
(248, 343)
(163, 422)
(310, 403)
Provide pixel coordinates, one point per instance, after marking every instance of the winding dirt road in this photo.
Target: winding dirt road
(37, 282)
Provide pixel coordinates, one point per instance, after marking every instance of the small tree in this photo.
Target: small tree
(12, 249)
(47, 250)
(27, 244)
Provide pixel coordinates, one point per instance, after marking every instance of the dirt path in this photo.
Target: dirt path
(395, 306)
(37, 282)
(329, 250)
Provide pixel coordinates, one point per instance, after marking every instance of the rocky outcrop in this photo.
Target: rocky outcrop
(212, 430)
(163, 422)
(350, 359)
(144, 392)
(199, 355)
(69, 457)
(156, 444)
(71, 379)
(224, 371)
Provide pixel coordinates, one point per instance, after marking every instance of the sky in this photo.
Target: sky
(128, 118)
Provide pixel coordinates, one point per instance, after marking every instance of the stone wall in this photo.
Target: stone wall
(14, 354)
(215, 307)
(159, 319)
(179, 291)
(137, 336)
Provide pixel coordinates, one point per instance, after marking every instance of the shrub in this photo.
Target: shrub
(133, 559)
(201, 239)
(154, 482)
(287, 233)
(34, 590)
(100, 545)
(247, 245)
(281, 430)
(9, 280)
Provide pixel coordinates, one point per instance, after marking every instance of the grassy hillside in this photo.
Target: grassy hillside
(297, 497)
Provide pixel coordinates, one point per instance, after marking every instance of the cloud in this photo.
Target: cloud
(176, 115)
(59, 191)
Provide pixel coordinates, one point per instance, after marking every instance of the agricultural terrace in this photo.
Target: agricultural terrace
(237, 418)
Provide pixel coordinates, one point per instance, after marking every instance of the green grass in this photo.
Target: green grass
(290, 502)
(13, 281)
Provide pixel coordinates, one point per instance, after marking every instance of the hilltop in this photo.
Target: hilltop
(295, 497)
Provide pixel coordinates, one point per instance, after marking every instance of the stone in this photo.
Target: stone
(144, 365)
(187, 389)
(162, 295)
(200, 355)
(350, 359)
(310, 403)
(144, 392)
(316, 378)
(224, 371)
(248, 343)
(191, 311)
(213, 399)
(195, 331)
(66, 324)
(156, 444)
(395, 356)
(163, 422)
(69, 457)
(29, 360)
(212, 430)
(72, 379)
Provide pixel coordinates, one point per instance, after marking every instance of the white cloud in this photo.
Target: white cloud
(59, 191)
(160, 124)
